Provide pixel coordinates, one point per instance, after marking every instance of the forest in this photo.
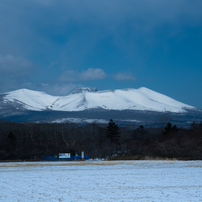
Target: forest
(30, 141)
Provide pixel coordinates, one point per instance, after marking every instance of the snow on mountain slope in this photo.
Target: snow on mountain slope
(132, 99)
(160, 99)
(32, 100)
(72, 102)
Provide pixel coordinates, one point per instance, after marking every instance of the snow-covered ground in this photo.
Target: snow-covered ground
(101, 181)
(83, 120)
(80, 120)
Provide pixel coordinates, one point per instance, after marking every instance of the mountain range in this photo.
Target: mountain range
(90, 103)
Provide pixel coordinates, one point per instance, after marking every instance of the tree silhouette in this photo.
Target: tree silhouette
(113, 132)
(194, 125)
(170, 128)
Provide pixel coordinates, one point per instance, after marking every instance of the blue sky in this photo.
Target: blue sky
(58, 45)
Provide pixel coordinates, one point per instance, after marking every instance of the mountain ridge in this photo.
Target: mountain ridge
(91, 98)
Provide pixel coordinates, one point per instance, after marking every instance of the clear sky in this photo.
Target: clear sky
(58, 45)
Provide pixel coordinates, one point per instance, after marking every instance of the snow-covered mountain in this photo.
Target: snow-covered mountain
(87, 98)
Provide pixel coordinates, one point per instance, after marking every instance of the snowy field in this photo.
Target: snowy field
(101, 181)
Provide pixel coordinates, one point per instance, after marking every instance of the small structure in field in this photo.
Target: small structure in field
(64, 155)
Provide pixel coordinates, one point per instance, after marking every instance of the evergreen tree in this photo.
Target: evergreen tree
(194, 125)
(113, 132)
(170, 128)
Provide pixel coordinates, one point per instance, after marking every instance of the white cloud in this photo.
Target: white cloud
(58, 89)
(87, 75)
(15, 72)
(92, 74)
(11, 64)
(124, 76)
(52, 64)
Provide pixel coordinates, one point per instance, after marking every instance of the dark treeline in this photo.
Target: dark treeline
(29, 141)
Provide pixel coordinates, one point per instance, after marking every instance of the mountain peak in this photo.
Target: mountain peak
(25, 91)
(84, 89)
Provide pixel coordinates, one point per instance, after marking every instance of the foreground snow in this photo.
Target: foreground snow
(102, 181)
